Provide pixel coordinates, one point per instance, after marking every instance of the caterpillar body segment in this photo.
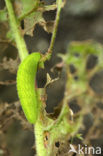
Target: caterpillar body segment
(26, 76)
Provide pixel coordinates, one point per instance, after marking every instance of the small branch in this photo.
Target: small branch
(50, 49)
(15, 27)
(59, 4)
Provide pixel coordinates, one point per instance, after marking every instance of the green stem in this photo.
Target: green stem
(47, 56)
(15, 27)
(59, 4)
(39, 128)
(39, 137)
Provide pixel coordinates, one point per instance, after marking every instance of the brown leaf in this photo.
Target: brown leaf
(48, 26)
(10, 64)
(17, 7)
(31, 21)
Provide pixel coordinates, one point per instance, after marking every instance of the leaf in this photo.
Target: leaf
(10, 65)
(31, 21)
(32, 13)
(28, 5)
(17, 7)
(48, 26)
(50, 7)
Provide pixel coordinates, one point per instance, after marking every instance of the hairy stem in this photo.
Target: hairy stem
(39, 129)
(15, 27)
(39, 136)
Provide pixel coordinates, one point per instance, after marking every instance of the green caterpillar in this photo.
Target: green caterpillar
(26, 87)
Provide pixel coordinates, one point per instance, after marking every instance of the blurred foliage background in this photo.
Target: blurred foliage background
(80, 20)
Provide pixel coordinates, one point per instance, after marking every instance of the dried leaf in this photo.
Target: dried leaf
(10, 64)
(31, 21)
(32, 13)
(48, 26)
(17, 7)
(47, 7)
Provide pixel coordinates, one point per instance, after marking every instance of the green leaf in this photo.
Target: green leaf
(28, 5)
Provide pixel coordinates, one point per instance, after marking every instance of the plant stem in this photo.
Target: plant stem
(15, 27)
(59, 6)
(39, 137)
(39, 129)
(14, 23)
(47, 56)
